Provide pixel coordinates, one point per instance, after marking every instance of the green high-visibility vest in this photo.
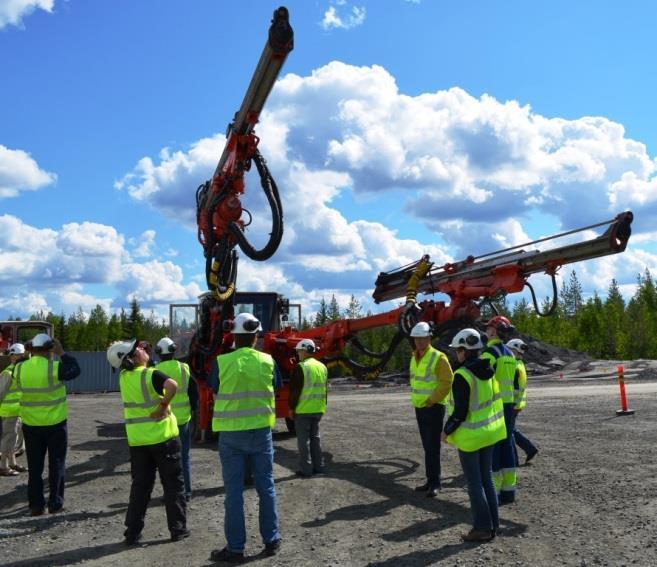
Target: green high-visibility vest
(313, 393)
(140, 400)
(484, 424)
(504, 363)
(520, 393)
(245, 399)
(43, 396)
(423, 377)
(178, 371)
(10, 404)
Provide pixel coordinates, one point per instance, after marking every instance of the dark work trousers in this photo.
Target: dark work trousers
(524, 443)
(430, 423)
(144, 461)
(39, 440)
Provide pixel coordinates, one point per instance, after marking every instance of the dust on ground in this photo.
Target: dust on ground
(589, 498)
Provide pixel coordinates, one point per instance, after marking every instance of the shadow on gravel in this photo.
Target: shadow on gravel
(386, 478)
(80, 555)
(23, 523)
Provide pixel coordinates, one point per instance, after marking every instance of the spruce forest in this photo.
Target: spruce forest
(612, 328)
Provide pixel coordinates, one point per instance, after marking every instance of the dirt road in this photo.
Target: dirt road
(590, 498)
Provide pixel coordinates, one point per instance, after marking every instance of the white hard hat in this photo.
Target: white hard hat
(17, 348)
(245, 323)
(42, 341)
(118, 350)
(422, 329)
(469, 339)
(165, 346)
(518, 345)
(306, 344)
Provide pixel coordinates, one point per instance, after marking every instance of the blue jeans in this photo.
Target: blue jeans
(235, 447)
(186, 442)
(477, 467)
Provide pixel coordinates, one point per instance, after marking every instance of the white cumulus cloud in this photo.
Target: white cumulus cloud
(13, 11)
(20, 172)
(343, 16)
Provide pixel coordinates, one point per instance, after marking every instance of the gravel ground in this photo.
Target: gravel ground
(589, 498)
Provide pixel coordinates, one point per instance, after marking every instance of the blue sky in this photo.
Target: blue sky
(397, 128)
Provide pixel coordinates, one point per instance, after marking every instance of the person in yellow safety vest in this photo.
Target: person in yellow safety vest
(44, 412)
(244, 414)
(10, 413)
(307, 403)
(519, 348)
(475, 424)
(153, 441)
(182, 403)
(499, 329)
(431, 381)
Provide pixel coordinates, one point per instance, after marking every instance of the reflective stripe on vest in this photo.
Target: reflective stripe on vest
(10, 404)
(313, 393)
(423, 377)
(245, 399)
(520, 394)
(502, 360)
(484, 424)
(43, 396)
(140, 400)
(179, 372)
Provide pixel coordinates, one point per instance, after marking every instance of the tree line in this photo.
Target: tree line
(79, 332)
(608, 329)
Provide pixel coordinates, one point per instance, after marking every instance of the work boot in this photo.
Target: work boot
(432, 492)
(530, 456)
(131, 538)
(226, 556)
(272, 548)
(177, 536)
(423, 487)
(478, 536)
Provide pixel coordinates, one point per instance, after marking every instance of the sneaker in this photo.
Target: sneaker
(18, 468)
(177, 536)
(226, 556)
(530, 456)
(8, 472)
(478, 536)
(272, 548)
(422, 488)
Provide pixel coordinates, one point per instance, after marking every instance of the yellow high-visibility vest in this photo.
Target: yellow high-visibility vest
(140, 400)
(43, 396)
(178, 371)
(313, 393)
(484, 424)
(520, 394)
(504, 363)
(10, 404)
(423, 377)
(245, 399)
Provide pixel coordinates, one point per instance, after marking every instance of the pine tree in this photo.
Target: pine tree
(334, 309)
(321, 317)
(97, 329)
(354, 309)
(136, 320)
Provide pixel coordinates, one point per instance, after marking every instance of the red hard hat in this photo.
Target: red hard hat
(499, 321)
